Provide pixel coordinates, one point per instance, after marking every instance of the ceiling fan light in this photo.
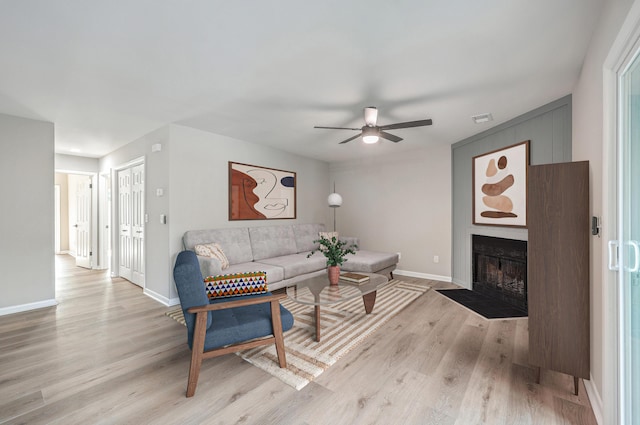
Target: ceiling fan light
(370, 139)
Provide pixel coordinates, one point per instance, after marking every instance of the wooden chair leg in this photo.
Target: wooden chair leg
(276, 322)
(196, 352)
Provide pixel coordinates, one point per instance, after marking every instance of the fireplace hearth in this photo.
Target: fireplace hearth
(500, 269)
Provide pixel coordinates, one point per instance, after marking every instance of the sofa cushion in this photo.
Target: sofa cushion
(209, 266)
(274, 273)
(369, 261)
(272, 241)
(234, 242)
(297, 264)
(305, 234)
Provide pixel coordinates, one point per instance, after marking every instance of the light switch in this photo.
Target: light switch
(163, 219)
(159, 192)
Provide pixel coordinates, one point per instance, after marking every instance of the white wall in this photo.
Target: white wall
(192, 171)
(199, 183)
(588, 145)
(399, 203)
(157, 175)
(77, 164)
(26, 214)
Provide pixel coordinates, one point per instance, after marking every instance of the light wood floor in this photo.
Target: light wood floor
(108, 354)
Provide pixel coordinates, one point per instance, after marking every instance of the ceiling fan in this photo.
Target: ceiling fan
(371, 132)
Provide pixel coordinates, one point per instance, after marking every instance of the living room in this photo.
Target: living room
(413, 188)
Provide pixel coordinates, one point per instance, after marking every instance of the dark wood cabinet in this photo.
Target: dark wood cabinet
(558, 267)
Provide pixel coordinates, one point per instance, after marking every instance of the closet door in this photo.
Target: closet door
(131, 219)
(558, 267)
(137, 225)
(125, 241)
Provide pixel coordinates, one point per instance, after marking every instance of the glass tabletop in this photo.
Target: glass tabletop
(317, 291)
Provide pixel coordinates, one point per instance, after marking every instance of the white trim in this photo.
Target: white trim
(594, 399)
(624, 45)
(169, 302)
(460, 282)
(27, 307)
(422, 275)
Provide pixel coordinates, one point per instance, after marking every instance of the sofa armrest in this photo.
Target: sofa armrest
(350, 241)
(209, 266)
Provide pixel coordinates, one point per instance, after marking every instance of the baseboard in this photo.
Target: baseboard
(27, 307)
(161, 298)
(422, 275)
(595, 400)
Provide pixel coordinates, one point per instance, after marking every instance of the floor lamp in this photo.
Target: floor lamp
(334, 200)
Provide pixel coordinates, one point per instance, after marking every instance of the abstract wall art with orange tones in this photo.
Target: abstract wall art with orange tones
(259, 193)
(500, 186)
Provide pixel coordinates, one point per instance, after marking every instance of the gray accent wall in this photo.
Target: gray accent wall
(548, 128)
(27, 214)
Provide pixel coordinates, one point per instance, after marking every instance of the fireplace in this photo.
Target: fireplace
(500, 269)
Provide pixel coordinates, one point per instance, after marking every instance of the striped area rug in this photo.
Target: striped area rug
(344, 326)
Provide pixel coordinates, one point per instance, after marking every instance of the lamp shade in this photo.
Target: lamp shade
(334, 200)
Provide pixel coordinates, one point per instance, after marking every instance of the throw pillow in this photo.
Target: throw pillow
(235, 285)
(213, 250)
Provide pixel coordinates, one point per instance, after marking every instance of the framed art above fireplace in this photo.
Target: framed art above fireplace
(499, 186)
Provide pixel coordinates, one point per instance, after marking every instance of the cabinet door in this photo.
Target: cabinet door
(558, 267)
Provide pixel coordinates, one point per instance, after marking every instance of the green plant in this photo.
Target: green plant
(334, 249)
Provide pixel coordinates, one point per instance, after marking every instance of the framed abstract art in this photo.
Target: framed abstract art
(500, 186)
(260, 193)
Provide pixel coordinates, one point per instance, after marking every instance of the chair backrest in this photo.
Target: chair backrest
(190, 285)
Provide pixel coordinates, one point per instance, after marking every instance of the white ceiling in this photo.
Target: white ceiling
(108, 72)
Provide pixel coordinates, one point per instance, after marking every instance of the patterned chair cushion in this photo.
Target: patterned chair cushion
(235, 285)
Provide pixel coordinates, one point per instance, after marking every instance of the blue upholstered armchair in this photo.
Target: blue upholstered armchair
(228, 325)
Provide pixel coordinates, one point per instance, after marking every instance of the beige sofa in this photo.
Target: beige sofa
(280, 251)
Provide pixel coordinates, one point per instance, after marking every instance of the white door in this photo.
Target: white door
(124, 224)
(137, 224)
(628, 242)
(83, 222)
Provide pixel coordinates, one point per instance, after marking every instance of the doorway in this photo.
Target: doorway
(627, 240)
(76, 217)
(621, 190)
(130, 218)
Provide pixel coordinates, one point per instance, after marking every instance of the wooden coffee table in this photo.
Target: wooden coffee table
(317, 292)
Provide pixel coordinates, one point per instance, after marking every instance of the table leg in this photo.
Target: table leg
(317, 314)
(369, 301)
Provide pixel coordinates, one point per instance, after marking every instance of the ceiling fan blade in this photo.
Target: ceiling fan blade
(338, 128)
(350, 138)
(371, 116)
(389, 136)
(408, 124)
